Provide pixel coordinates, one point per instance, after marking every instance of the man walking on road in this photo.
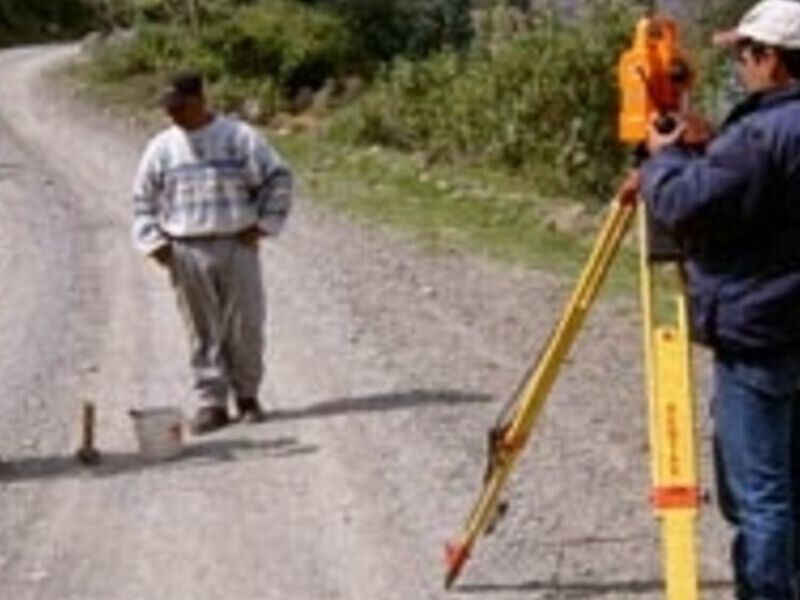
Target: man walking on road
(735, 209)
(207, 190)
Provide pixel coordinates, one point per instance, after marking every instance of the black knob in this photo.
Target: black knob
(665, 124)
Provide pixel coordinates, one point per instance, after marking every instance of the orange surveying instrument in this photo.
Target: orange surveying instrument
(654, 78)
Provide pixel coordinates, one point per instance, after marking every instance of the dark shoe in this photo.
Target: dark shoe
(249, 411)
(208, 419)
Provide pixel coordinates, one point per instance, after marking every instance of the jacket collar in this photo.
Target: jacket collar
(764, 100)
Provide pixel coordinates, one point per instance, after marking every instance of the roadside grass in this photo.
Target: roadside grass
(136, 96)
(446, 208)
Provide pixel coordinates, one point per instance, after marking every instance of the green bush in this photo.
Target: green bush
(259, 98)
(294, 45)
(35, 20)
(545, 104)
(153, 49)
(259, 53)
(385, 29)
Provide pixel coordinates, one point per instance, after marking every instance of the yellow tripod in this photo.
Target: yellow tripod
(670, 402)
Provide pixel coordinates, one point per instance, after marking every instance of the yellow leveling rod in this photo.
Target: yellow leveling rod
(675, 494)
(509, 441)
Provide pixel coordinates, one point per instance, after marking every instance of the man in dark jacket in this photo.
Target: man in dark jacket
(735, 210)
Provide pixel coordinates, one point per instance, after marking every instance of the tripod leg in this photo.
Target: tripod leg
(532, 394)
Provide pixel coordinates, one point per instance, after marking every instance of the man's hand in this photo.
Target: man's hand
(162, 255)
(690, 129)
(628, 192)
(250, 236)
(658, 140)
(698, 132)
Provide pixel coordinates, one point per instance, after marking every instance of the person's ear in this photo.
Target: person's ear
(772, 62)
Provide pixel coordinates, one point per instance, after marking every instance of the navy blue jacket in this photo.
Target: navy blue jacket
(735, 210)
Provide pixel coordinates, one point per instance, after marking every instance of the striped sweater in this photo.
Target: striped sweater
(214, 181)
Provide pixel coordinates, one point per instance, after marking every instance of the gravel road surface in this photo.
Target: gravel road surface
(386, 367)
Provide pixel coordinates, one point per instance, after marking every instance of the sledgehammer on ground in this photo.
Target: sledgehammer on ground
(87, 454)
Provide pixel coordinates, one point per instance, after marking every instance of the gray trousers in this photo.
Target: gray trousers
(222, 301)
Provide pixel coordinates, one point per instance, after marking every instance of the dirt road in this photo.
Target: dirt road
(386, 367)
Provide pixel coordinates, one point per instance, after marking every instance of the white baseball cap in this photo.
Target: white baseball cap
(770, 22)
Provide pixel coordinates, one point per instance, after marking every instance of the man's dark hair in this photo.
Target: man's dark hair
(790, 60)
(789, 57)
(186, 83)
(756, 49)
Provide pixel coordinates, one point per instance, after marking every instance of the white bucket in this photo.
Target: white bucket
(159, 432)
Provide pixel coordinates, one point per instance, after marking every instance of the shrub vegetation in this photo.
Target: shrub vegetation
(543, 103)
(37, 20)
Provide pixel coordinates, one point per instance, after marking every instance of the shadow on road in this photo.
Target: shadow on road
(196, 454)
(584, 589)
(380, 403)
(199, 453)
